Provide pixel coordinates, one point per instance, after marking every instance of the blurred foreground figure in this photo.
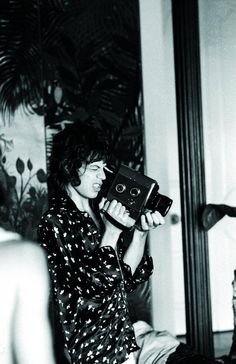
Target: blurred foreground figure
(25, 333)
(25, 336)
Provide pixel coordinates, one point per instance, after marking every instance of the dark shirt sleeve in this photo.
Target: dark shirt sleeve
(91, 272)
(141, 274)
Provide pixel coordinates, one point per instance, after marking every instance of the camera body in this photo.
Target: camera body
(137, 193)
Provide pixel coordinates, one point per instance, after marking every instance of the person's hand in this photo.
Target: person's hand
(102, 204)
(150, 220)
(115, 215)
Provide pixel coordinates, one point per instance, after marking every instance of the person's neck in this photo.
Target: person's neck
(81, 202)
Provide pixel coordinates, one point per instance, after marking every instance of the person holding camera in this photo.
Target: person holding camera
(91, 270)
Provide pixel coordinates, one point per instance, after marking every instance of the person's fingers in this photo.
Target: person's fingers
(144, 223)
(102, 203)
(119, 210)
(116, 208)
(112, 206)
(151, 220)
(105, 207)
(130, 221)
(123, 211)
(158, 219)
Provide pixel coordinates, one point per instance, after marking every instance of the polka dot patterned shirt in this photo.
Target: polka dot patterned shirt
(90, 286)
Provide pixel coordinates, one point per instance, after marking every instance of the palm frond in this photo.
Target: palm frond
(90, 50)
(20, 56)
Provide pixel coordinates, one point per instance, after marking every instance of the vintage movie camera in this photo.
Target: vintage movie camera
(137, 192)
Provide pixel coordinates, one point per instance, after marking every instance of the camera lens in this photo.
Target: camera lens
(120, 188)
(135, 191)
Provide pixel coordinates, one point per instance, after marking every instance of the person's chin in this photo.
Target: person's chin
(93, 194)
(95, 190)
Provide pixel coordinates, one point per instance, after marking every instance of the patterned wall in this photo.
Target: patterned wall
(23, 173)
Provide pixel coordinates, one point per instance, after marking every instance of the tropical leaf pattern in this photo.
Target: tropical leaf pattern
(75, 61)
(25, 204)
(20, 54)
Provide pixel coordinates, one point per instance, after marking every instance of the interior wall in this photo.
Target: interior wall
(218, 59)
(162, 161)
(218, 54)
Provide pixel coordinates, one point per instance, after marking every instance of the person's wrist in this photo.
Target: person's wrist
(140, 234)
(112, 231)
(110, 238)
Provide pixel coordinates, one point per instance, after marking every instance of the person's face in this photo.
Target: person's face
(92, 176)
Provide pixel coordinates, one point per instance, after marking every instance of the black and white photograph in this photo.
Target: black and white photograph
(117, 181)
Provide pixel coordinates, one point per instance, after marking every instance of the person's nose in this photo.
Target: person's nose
(101, 173)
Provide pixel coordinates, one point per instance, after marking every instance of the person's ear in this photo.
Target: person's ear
(67, 170)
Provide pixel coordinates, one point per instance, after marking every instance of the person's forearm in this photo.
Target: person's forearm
(110, 238)
(135, 251)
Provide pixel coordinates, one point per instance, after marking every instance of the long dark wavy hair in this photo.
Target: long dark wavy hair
(73, 146)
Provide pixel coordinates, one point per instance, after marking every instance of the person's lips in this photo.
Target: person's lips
(97, 186)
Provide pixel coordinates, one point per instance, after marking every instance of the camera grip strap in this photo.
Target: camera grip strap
(116, 223)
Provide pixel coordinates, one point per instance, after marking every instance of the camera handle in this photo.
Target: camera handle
(116, 223)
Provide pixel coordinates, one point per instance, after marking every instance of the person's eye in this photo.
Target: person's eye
(93, 168)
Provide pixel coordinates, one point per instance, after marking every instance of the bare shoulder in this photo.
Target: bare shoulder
(32, 250)
(23, 258)
(16, 250)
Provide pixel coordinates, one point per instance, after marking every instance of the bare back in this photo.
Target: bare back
(24, 288)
